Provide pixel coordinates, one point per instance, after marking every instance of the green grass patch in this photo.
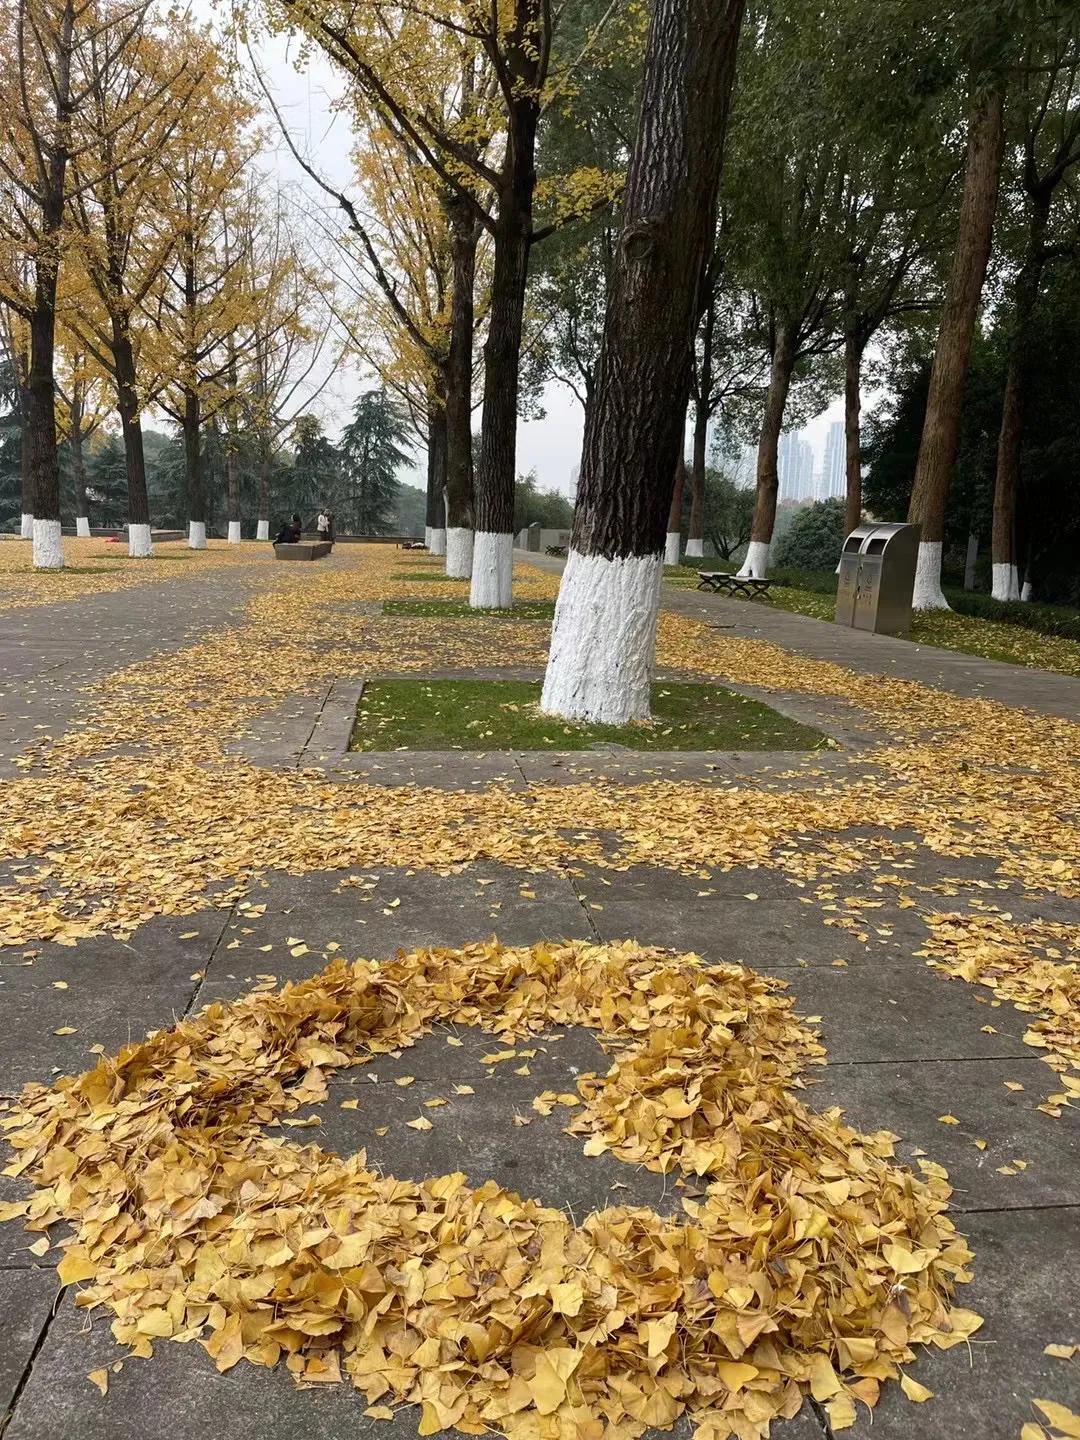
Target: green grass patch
(462, 610)
(504, 715)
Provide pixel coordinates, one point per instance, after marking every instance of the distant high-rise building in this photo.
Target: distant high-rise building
(833, 471)
(795, 466)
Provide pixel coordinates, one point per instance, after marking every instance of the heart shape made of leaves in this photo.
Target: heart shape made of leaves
(812, 1262)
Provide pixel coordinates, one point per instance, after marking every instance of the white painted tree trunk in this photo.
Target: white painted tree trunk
(1025, 591)
(459, 552)
(695, 550)
(262, 530)
(1006, 582)
(928, 594)
(756, 563)
(48, 545)
(436, 541)
(492, 571)
(603, 640)
(139, 546)
(26, 526)
(196, 535)
(427, 536)
(234, 532)
(82, 527)
(672, 547)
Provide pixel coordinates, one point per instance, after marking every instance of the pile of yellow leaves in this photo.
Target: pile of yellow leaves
(812, 1263)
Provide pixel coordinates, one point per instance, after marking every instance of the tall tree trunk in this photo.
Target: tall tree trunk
(1005, 571)
(970, 560)
(193, 471)
(941, 428)
(604, 637)
(127, 402)
(26, 525)
(673, 540)
(232, 488)
(853, 353)
(493, 556)
(702, 414)
(78, 473)
(464, 237)
(41, 416)
(436, 501)
(262, 531)
(756, 562)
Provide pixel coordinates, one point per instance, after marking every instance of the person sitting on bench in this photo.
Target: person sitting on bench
(290, 532)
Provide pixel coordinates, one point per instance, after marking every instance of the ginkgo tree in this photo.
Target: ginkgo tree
(201, 297)
(484, 153)
(123, 234)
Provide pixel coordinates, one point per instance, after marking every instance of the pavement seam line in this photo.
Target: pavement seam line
(6, 1419)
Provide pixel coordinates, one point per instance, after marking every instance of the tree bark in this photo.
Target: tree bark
(263, 517)
(768, 479)
(436, 503)
(1005, 570)
(673, 538)
(24, 461)
(41, 416)
(464, 237)
(193, 473)
(604, 637)
(853, 353)
(127, 403)
(78, 462)
(948, 378)
(702, 415)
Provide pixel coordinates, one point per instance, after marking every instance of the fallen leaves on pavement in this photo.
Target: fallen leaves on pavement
(810, 1263)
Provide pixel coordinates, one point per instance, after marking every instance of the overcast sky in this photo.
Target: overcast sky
(551, 446)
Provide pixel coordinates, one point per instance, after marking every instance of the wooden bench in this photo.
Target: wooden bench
(721, 583)
(305, 550)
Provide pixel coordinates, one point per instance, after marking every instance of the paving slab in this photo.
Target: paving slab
(108, 992)
(26, 1301)
(1027, 1288)
(903, 1011)
(909, 1098)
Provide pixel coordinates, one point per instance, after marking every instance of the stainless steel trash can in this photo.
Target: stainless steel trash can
(877, 577)
(848, 583)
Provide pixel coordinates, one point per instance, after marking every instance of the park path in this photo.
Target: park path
(904, 1045)
(962, 674)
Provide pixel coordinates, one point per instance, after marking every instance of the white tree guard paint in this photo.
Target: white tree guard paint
(427, 536)
(48, 545)
(262, 530)
(234, 532)
(756, 563)
(139, 546)
(1025, 591)
(459, 552)
(82, 527)
(695, 550)
(928, 594)
(492, 571)
(603, 640)
(196, 534)
(672, 546)
(1006, 582)
(436, 541)
(26, 526)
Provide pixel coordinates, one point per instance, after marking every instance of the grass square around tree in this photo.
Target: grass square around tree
(505, 715)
